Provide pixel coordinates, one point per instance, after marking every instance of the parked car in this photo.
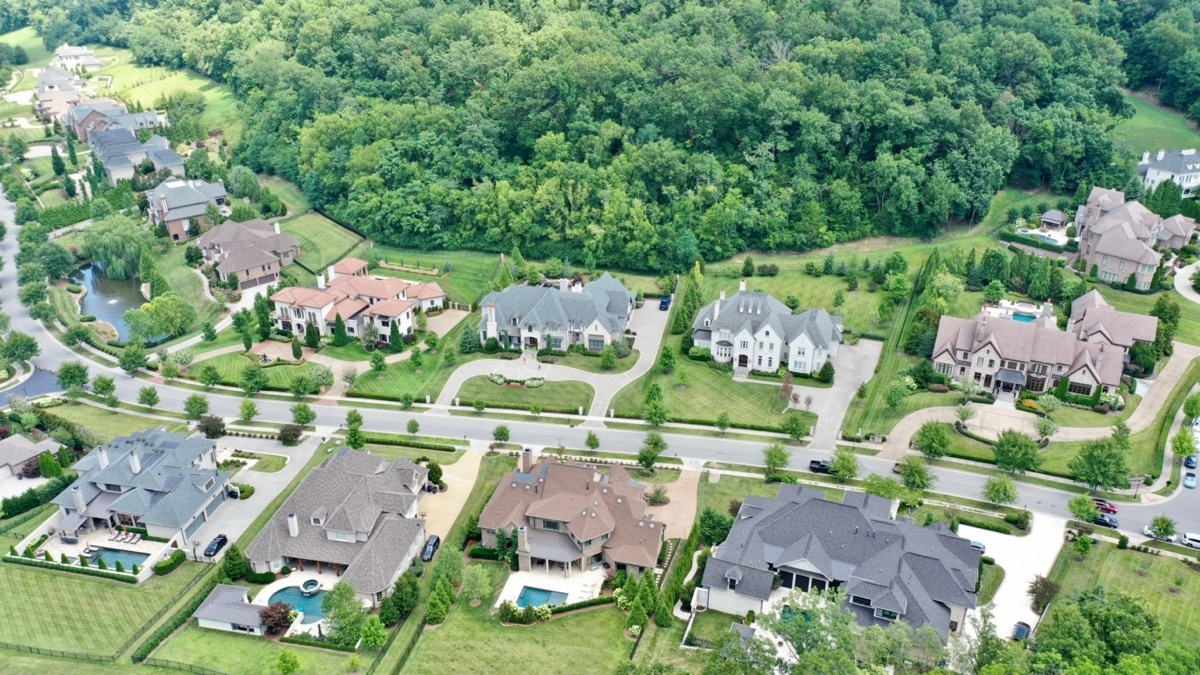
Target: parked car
(665, 303)
(820, 466)
(1104, 505)
(978, 546)
(1021, 631)
(431, 547)
(1190, 539)
(1104, 520)
(1190, 461)
(1146, 531)
(1189, 479)
(216, 545)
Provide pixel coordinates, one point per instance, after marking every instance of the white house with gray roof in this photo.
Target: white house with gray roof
(1180, 166)
(754, 331)
(153, 479)
(889, 568)
(180, 205)
(593, 315)
(354, 515)
(229, 608)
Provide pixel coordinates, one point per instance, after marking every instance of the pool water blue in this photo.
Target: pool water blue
(1023, 318)
(309, 605)
(539, 596)
(128, 559)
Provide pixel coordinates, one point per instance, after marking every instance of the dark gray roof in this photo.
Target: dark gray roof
(185, 198)
(915, 571)
(228, 603)
(58, 78)
(1174, 161)
(1011, 376)
(556, 546)
(16, 450)
(754, 310)
(605, 299)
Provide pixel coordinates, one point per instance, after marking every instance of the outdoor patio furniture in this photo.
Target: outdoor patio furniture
(115, 536)
(135, 539)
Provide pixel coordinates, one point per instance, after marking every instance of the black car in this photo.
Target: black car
(431, 547)
(1021, 631)
(216, 545)
(1190, 461)
(820, 466)
(1105, 520)
(665, 303)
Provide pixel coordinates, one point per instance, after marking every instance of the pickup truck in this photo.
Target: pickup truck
(820, 466)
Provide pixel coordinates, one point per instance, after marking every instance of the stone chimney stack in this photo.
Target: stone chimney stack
(526, 460)
(1161, 154)
(523, 539)
(981, 328)
(492, 330)
(742, 285)
(277, 227)
(135, 462)
(293, 525)
(102, 457)
(1145, 158)
(77, 498)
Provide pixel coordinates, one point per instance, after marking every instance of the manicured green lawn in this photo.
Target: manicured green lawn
(1153, 128)
(468, 279)
(472, 641)
(107, 424)
(289, 193)
(1117, 570)
(398, 451)
(1078, 417)
(351, 351)
(1189, 312)
(322, 241)
(269, 463)
(60, 610)
(592, 363)
(993, 576)
(232, 366)
(719, 494)
(707, 394)
(565, 396)
(22, 663)
(55, 197)
(28, 39)
(942, 514)
(712, 624)
(661, 645)
(184, 281)
(225, 338)
(40, 169)
(234, 653)
(402, 378)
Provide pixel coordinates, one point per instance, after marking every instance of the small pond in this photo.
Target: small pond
(107, 299)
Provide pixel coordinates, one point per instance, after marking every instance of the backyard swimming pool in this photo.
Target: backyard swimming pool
(128, 559)
(310, 605)
(539, 596)
(1023, 318)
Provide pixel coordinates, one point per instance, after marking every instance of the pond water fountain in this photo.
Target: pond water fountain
(107, 299)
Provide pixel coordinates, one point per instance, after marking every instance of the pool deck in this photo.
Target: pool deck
(56, 547)
(578, 587)
(327, 580)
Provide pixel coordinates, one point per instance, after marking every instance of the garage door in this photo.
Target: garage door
(194, 527)
(217, 500)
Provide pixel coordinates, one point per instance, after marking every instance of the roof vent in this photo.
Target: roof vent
(641, 524)
(618, 500)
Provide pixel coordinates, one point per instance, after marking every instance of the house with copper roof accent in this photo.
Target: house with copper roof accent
(1125, 239)
(571, 517)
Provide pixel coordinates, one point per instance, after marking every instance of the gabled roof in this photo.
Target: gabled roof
(605, 300)
(228, 603)
(1106, 199)
(350, 266)
(184, 198)
(16, 450)
(298, 296)
(754, 311)
(389, 308)
(1177, 162)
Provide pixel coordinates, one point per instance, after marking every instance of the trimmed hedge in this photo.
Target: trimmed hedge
(481, 552)
(181, 617)
(601, 600)
(987, 560)
(260, 578)
(165, 567)
(984, 524)
(419, 445)
(75, 569)
(302, 639)
(1029, 241)
(35, 496)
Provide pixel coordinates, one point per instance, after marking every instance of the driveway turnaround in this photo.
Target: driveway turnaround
(1022, 558)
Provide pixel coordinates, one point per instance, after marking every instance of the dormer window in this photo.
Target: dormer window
(209, 485)
(706, 323)
(733, 584)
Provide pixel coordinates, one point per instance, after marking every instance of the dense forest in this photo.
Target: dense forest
(646, 133)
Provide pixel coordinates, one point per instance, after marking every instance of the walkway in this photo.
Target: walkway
(1183, 282)
(649, 323)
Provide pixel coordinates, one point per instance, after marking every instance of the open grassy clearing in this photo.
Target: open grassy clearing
(468, 279)
(225, 338)
(398, 451)
(570, 395)
(289, 193)
(711, 624)
(707, 394)
(1154, 127)
(233, 653)
(187, 283)
(231, 367)
(322, 241)
(1117, 570)
(50, 607)
(28, 39)
(471, 640)
(108, 424)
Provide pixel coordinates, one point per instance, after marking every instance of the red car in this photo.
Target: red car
(1104, 505)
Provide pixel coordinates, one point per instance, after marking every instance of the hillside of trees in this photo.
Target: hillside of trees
(643, 134)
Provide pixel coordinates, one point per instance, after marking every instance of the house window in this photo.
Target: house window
(800, 351)
(1081, 388)
(1104, 260)
(768, 333)
(979, 361)
(859, 600)
(760, 345)
(733, 584)
(211, 482)
(316, 521)
(991, 363)
(886, 614)
(745, 344)
(343, 536)
(965, 356)
(1039, 369)
(707, 323)
(595, 344)
(1121, 264)
(550, 525)
(760, 360)
(942, 368)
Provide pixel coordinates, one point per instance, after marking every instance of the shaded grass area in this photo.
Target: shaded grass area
(1117, 570)
(708, 393)
(289, 193)
(234, 653)
(108, 424)
(661, 645)
(993, 576)
(711, 624)
(1154, 127)
(552, 395)
(322, 241)
(184, 281)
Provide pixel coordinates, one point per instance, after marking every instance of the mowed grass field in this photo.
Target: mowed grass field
(231, 366)
(1117, 570)
(184, 280)
(60, 610)
(233, 653)
(289, 193)
(322, 241)
(108, 424)
(468, 279)
(1154, 127)
(402, 378)
(31, 42)
(472, 641)
(550, 395)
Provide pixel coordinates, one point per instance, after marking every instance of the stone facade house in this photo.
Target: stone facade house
(55, 92)
(1180, 166)
(570, 517)
(98, 114)
(354, 515)
(153, 479)
(1123, 239)
(180, 205)
(889, 568)
(254, 251)
(593, 315)
(754, 331)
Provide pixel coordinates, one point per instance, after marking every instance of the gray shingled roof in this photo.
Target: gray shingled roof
(16, 450)
(913, 570)
(1174, 161)
(185, 198)
(752, 310)
(605, 299)
(228, 603)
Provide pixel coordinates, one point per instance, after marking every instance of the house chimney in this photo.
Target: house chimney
(563, 284)
(277, 227)
(1161, 154)
(1145, 158)
(331, 274)
(717, 307)
(135, 462)
(741, 285)
(293, 525)
(489, 314)
(102, 457)
(320, 281)
(523, 538)
(527, 460)
(1048, 308)
(77, 496)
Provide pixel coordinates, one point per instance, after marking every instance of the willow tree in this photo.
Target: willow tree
(115, 244)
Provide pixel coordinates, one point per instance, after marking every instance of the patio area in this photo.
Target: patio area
(578, 587)
(128, 551)
(290, 585)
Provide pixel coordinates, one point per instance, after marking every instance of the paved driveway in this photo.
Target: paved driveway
(1022, 558)
(855, 364)
(11, 486)
(440, 510)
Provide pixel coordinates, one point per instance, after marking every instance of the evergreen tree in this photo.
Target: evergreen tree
(57, 163)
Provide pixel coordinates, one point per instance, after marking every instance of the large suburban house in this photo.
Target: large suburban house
(180, 205)
(55, 92)
(229, 608)
(1122, 239)
(573, 517)
(98, 114)
(754, 331)
(889, 568)
(1180, 166)
(16, 450)
(353, 515)
(121, 153)
(1020, 348)
(253, 251)
(153, 479)
(593, 315)
(358, 299)
(74, 58)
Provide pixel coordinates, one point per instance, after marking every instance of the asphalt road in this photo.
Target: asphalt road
(962, 483)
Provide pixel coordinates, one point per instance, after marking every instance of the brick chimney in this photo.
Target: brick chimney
(527, 460)
(523, 539)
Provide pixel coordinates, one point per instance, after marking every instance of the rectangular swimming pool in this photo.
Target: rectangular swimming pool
(128, 558)
(539, 596)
